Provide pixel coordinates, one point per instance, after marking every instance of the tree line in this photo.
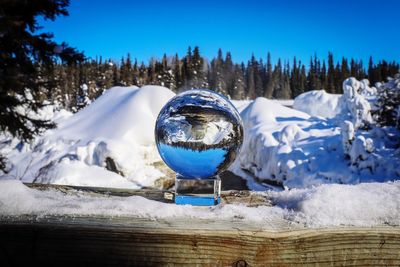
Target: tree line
(282, 80)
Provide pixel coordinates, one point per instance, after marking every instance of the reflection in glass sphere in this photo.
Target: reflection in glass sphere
(198, 133)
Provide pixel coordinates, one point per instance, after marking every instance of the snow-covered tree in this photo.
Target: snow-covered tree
(388, 105)
(82, 99)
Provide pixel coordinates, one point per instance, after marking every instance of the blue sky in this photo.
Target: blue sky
(286, 28)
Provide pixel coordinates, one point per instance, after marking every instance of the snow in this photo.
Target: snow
(332, 142)
(366, 204)
(285, 102)
(318, 103)
(121, 112)
(370, 204)
(289, 147)
(356, 104)
(328, 162)
(118, 125)
(353, 105)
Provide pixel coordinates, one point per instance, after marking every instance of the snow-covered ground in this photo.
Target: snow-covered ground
(335, 165)
(119, 126)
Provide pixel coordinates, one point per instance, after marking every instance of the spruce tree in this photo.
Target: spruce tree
(258, 77)
(302, 79)
(199, 79)
(250, 82)
(323, 78)
(20, 48)
(331, 74)
(135, 74)
(269, 83)
(238, 91)
(177, 73)
(217, 79)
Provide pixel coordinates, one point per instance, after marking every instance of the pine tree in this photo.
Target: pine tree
(388, 103)
(317, 74)
(294, 79)
(217, 79)
(277, 78)
(143, 74)
(199, 79)
(285, 92)
(187, 71)
(331, 74)
(345, 72)
(20, 48)
(116, 75)
(229, 75)
(250, 82)
(323, 77)
(258, 74)
(302, 79)
(177, 74)
(238, 91)
(338, 80)
(269, 83)
(135, 74)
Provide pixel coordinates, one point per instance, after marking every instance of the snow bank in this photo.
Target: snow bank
(287, 147)
(319, 103)
(354, 104)
(126, 113)
(371, 204)
(367, 204)
(115, 131)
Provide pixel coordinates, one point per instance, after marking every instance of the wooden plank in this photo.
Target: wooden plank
(133, 241)
(61, 241)
(230, 196)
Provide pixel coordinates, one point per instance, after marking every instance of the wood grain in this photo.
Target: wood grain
(127, 241)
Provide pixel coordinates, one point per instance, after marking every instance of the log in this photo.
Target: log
(133, 241)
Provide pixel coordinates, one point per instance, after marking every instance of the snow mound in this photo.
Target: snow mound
(126, 113)
(272, 134)
(339, 144)
(115, 131)
(354, 104)
(319, 103)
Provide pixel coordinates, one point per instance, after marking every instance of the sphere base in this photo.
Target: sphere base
(197, 192)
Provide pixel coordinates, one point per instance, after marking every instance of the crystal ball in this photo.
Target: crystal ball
(198, 133)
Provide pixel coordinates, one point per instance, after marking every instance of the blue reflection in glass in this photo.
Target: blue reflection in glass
(191, 163)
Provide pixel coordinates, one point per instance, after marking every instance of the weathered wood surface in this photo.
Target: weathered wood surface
(130, 241)
(229, 196)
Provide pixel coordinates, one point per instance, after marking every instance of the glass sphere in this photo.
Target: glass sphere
(198, 133)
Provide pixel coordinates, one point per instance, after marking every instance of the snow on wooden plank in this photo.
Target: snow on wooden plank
(131, 240)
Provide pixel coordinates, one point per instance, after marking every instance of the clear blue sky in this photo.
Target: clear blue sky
(145, 29)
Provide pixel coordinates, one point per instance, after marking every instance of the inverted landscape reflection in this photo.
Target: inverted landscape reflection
(198, 134)
(203, 163)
